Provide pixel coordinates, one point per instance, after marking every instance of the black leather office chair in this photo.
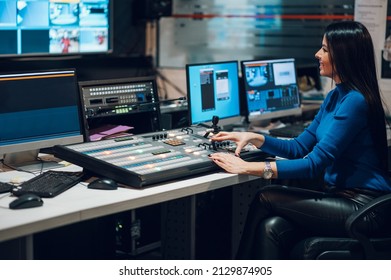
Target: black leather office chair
(356, 246)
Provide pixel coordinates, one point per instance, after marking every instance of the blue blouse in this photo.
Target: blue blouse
(338, 141)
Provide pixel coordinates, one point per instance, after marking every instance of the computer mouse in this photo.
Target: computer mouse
(103, 184)
(27, 200)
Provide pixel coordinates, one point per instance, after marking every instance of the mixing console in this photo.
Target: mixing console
(146, 159)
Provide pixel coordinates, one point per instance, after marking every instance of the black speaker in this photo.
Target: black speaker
(152, 9)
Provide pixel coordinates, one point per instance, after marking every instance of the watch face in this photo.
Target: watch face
(267, 174)
(268, 171)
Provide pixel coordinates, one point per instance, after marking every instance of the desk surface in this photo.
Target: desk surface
(80, 203)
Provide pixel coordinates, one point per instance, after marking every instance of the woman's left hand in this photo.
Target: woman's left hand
(230, 163)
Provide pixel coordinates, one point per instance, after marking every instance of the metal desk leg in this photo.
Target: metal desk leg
(29, 245)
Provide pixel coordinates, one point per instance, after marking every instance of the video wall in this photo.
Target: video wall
(39, 27)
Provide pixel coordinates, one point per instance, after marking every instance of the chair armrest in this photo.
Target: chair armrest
(367, 208)
(355, 217)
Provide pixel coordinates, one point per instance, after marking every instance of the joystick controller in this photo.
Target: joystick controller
(215, 121)
(214, 128)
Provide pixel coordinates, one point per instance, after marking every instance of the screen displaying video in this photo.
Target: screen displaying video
(54, 27)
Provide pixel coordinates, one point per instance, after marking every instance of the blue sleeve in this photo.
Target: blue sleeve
(325, 140)
(296, 151)
(298, 147)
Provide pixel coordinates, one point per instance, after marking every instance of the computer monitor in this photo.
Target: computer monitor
(271, 89)
(38, 110)
(213, 90)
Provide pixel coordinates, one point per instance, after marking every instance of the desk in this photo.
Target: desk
(81, 204)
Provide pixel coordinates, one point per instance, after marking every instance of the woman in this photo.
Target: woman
(346, 140)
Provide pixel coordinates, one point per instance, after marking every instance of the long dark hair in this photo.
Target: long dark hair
(353, 59)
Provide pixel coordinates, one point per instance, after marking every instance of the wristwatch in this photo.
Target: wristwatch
(267, 171)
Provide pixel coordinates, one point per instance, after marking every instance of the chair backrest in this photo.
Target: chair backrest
(357, 245)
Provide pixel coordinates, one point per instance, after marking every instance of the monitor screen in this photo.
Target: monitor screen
(38, 110)
(271, 89)
(213, 90)
(54, 27)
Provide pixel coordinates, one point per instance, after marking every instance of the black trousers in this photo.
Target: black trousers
(281, 216)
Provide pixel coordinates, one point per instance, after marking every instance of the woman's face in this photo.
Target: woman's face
(325, 66)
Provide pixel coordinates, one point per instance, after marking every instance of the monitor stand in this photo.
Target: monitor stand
(29, 161)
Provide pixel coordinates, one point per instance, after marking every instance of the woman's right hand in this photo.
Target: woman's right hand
(240, 138)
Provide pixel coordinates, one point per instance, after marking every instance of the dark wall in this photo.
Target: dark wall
(126, 60)
(129, 29)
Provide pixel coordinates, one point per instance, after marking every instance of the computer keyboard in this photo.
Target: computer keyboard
(289, 131)
(5, 187)
(49, 184)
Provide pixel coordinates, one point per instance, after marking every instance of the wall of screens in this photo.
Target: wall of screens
(50, 27)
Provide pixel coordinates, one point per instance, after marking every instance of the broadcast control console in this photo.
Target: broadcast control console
(146, 159)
